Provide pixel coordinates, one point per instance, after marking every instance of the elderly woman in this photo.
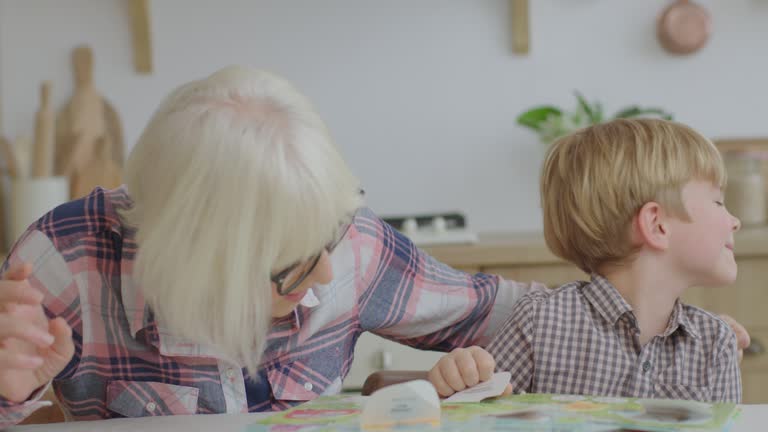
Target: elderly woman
(234, 272)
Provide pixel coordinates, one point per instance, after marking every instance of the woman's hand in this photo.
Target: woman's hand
(33, 349)
(742, 336)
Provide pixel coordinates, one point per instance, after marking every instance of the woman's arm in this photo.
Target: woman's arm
(407, 296)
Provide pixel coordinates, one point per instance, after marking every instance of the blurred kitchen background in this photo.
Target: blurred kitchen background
(421, 96)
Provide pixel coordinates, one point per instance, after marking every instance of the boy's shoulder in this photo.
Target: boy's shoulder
(563, 291)
(707, 326)
(567, 293)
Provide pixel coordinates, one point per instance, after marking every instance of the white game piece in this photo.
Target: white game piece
(409, 403)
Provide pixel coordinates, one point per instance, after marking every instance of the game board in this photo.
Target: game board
(528, 412)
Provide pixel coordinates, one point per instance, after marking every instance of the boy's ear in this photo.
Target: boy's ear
(649, 227)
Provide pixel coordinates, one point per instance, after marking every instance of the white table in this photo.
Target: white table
(754, 418)
(185, 423)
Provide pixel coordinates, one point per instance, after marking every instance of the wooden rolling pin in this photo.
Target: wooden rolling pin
(42, 153)
(10, 170)
(9, 157)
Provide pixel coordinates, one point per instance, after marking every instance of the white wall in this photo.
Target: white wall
(421, 95)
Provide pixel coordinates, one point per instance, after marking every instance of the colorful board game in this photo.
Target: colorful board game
(530, 412)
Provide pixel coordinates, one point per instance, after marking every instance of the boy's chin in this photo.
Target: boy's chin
(723, 279)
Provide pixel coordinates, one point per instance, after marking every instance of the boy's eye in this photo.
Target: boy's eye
(720, 203)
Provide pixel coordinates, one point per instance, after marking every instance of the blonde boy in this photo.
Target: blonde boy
(638, 205)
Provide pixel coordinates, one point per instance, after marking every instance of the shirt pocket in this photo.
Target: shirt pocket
(291, 382)
(147, 398)
(672, 383)
(673, 390)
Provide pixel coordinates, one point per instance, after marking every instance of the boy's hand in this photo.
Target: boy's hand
(742, 336)
(462, 368)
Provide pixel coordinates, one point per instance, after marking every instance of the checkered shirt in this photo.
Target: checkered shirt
(583, 338)
(127, 364)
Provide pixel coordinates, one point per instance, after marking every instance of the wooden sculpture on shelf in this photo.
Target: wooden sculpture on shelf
(100, 170)
(42, 152)
(88, 128)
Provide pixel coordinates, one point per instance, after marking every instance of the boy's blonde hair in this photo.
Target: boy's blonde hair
(595, 180)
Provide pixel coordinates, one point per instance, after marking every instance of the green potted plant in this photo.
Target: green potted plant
(551, 122)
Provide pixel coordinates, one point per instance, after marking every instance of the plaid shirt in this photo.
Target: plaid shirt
(583, 339)
(127, 365)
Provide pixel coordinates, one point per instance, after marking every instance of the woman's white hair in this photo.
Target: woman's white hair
(234, 178)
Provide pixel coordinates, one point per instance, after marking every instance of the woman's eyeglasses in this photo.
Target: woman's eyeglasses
(292, 277)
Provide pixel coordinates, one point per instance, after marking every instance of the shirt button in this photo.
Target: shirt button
(151, 407)
(646, 366)
(308, 386)
(230, 373)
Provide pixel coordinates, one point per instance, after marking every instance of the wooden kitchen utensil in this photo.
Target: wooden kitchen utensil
(142, 35)
(6, 152)
(520, 31)
(42, 154)
(9, 157)
(98, 171)
(9, 169)
(86, 118)
(684, 27)
(22, 148)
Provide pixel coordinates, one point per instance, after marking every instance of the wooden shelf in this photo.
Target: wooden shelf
(507, 248)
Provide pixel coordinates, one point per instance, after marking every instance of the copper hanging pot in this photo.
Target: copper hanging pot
(684, 27)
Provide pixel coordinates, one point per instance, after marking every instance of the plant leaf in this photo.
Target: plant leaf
(588, 109)
(637, 111)
(533, 118)
(599, 113)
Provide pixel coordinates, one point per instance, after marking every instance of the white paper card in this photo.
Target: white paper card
(488, 389)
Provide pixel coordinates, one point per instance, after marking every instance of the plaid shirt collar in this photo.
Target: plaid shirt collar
(141, 318)
(605, 298)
